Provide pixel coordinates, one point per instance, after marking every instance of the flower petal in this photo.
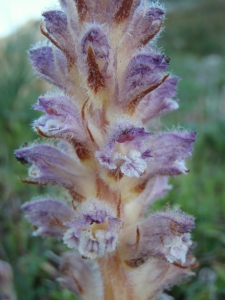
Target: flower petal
(56, 24)
(142, 75)
(43, 62)
(156, 275)
(146, 23)
(50, 166)
(134, 165)
(98, 41)
(82, 278)
(94, 229)
(48, 216)
(163, 234)
(159, 101)
(169, 151)
(132, 150)
(62, 119)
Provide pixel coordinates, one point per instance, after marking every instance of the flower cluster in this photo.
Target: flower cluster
(110, 83)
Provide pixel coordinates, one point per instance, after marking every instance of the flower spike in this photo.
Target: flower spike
(109, 81)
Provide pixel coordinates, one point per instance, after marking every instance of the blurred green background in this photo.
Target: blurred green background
(194, 39)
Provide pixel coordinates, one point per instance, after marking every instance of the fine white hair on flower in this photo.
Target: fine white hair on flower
(110, 84)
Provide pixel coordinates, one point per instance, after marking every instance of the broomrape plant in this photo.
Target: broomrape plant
(100, 145)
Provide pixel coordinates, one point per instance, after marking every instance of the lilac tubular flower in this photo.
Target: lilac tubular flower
(156, 275)
(62, 119)
(169, 151)
(109, 80)
(80, 277)
(142, 76)
(50, 166)
(92, 229)
(169, 238)
(126, 151)
(44, 63)
(146, 24)
(48, 216)
(98, 41)
(159, 102)
(56, 24)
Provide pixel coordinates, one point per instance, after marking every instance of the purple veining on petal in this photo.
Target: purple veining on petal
(49, 216)
(44, 64)
(147, 154)
(159, 101)
(142, 72)
(142, 66)
(177, 145)
(98, 41)
(50, 166)
(169, 151)
(131, 151)
(56, 22)
(155, 13)
(93, 230)
(129, 136)
(105, 160)
(62, 118)
(146, 24)
(177, 249)
(57, 26)
(163, 234)
(134, 165)
(132, 134)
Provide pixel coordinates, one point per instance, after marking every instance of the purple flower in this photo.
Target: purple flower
(50, 165)
(98, 41)
(45, 64)
(126, 150)
(146, 23)
(142, 76)
(80, 277)
(92, 228)
(62, 119)
(48, 216)
(57, 26)
(164, 235)
(159, 102)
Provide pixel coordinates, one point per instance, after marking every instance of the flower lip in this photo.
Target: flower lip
(128, 150)
(94, 231)
(129, 135)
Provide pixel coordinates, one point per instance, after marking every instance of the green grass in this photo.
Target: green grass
(194, 39)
